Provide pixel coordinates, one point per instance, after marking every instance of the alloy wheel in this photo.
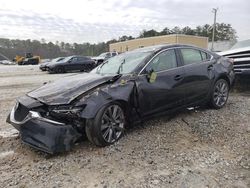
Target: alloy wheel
(112, 123)
(220, 93)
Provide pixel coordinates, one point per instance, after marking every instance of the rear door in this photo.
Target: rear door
(86, 63)
(199, 74)
(167, 91)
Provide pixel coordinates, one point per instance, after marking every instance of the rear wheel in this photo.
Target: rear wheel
(220, 94)
(108, 125)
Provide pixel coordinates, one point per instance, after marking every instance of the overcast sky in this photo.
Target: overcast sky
(101, 20)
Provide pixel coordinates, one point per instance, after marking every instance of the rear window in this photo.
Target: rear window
(191, 56)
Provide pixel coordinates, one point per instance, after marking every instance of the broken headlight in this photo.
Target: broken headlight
(68, 110)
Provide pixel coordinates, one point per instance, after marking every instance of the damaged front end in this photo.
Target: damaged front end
(42, 129)
(52, 118)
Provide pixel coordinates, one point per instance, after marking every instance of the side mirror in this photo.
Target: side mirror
(152, 76)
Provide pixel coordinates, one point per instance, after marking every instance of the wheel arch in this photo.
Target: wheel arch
(224, 77)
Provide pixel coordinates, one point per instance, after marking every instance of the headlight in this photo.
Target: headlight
(68, 110)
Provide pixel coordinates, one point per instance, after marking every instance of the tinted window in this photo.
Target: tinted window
(74, 59)
(191, 56)
(114, 53)
(164, 61)
(83, 58)
(205, 56)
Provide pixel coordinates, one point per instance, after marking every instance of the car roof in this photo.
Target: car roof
(162, 46)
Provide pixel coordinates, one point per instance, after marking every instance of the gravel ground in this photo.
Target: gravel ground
(194, 148)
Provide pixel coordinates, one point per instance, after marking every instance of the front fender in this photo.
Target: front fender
(102, 96)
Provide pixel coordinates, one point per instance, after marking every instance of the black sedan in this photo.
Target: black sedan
(126, 89)
(71, 63)
(43, 66)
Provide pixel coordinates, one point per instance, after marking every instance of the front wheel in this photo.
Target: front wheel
(60, 70)
(108, 125)
(220, 94)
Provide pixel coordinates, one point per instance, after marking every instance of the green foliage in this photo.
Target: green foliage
(11, 48)
(223, 32)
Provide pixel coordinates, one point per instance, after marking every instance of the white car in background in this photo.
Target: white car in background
(6, 62)
(240, 53)
(103, 57)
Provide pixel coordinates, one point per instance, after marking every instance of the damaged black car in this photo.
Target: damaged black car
(124, 90)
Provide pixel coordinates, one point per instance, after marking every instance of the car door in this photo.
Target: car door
(80, 63)
(85, 64)
(166, 91)
(199, 74)
(71, 64)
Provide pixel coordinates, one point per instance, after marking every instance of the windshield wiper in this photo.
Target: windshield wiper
(120, 67)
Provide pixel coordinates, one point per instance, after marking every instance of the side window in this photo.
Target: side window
(113, 53)
(164, 61)
(83, 58)
(191, 56)
(74, 59)
(205, 56)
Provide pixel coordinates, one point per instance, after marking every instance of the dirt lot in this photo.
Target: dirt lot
(194, 148)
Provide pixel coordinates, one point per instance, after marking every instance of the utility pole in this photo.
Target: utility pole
(214, 27)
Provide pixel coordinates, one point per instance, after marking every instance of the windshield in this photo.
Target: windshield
(103, 54)
(123, 63)
(66, 59)
(241, 44)
(57, 59)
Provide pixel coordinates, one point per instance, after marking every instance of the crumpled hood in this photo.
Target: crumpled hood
(64, 90)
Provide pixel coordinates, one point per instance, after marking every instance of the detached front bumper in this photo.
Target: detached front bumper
(44, 134)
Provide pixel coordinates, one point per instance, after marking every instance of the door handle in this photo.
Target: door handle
(210, 67)
(178, 77)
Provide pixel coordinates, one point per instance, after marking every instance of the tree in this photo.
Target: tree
(225, 32)
(176, 30)
(166, 31)
(187, 31)
(150, 33)
(125, 38)
(11, 48)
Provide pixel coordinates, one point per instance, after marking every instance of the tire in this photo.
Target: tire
(220, 94)
(60, 70)
(108, 125)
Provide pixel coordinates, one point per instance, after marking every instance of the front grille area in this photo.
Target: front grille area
(21, 112)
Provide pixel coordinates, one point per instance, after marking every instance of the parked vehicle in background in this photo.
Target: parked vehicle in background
(103, 57)
(127, 88)
(240, 53)
(43, 66)
(28, 59)
(71, 63)
(7, 62)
